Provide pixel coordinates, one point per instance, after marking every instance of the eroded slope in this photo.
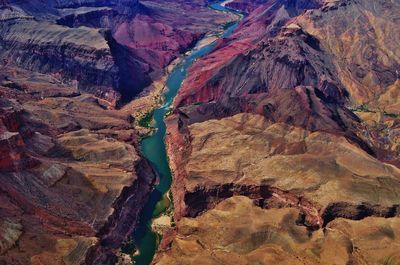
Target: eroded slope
(72, 181)
(297, 110)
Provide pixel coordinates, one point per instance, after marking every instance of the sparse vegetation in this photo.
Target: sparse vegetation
(169, 112)
(170, 210)
(390, 261)
(362, 108)
(146, 120)
(392, 115)
(365, 108)
(162, 206)
(228, 24)
(173, 224)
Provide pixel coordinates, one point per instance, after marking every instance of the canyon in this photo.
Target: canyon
(73, 177)
(281, 148)
(275, 139)
(113, 49)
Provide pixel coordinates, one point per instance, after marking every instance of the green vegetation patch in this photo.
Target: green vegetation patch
(228, 24)
(392, 115)
(146, 120)
(162, 206)
(362, 108)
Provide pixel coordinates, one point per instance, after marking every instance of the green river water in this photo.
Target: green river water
(153, 148)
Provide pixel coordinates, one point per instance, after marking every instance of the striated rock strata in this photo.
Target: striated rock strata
(284, 141)
(102, 46)
(72, 178)
(72, 181)
(239, 232)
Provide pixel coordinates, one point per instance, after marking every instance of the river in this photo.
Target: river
(153, 148)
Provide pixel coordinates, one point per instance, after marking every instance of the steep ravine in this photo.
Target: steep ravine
(154, 150)
(124, 219)
(267, 151)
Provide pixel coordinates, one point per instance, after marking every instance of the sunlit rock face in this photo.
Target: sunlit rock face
(238, 232)
(294, 116)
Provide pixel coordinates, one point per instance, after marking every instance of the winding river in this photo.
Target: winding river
(153, 148)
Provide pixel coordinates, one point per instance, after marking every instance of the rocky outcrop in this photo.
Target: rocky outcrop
(122, 223)
(80, 54)
(263, 69)
(256, 146)
(273, 236)
(321, 176)
(102, 46)
(368, 64)
(278, 119)
(72, 181)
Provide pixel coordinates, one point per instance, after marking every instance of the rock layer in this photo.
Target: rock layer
(71, 178)
(283, 141)
(256, 235)
(73, 181)
(102, 46)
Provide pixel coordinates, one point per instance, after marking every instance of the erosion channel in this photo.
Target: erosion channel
(153, 147)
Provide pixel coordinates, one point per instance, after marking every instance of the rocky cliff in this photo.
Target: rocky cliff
(71, 177)
(102, 46)
(75, 54)
(73, 180)
(290, 117)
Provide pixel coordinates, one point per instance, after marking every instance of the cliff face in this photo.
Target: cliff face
(281, 119)
(79, 54)
(308, 49)
(102, 46)
(73, 181)
(71, 178)
(274, 236)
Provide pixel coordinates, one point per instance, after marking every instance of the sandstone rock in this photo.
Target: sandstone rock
(272, 236)
(54, 173)
(10, 233)
(238, 154)
(63, 190)
(102, 46)
(296, 111)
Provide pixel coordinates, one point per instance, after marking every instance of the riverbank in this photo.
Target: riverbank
(152, 97)
(226, 2)
(157, 214)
